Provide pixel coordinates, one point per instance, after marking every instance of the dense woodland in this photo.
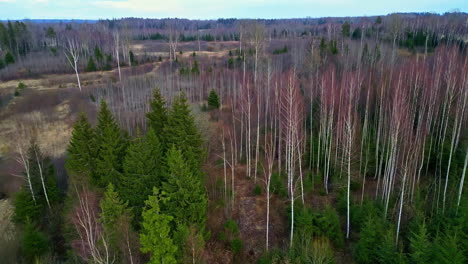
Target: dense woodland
(328, 140)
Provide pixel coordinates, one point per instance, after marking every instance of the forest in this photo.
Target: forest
(314, 140)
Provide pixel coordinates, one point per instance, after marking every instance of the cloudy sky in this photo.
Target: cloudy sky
(207, 9)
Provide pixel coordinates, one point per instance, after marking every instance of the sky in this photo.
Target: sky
(212, 9)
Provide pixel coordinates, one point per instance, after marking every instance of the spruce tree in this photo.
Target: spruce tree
(9, 59)
(155, 234)
(111, 146)
(157, 116)
(91, 66)
(82, 149)
(213, 100)
(115, 216)
(25, 208)
(142, 170)
(182, 132)
(420, 245)
(187, 197)
(34, 243)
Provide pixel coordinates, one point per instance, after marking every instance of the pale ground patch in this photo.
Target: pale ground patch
(52, 136)
(7, 228)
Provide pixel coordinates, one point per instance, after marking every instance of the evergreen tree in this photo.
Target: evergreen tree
(82, 150)
(157, 116)
(449, 248)
(98, 55)
(420, 245)
(195, 69)
(111, 146)
(213, 100)
(91, 66)
(142, 170)
(182, 132)
(2, 64)
(187, 197)
(114, 217)
(370, 236)
(387, 250)
(378, 20)
(34, 243)
(133, 61)
(25, 208)
(9, 59)
(345, 29)
(155, 235)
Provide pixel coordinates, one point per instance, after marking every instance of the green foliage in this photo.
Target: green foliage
(195, 69)
(387, 250)
(111, 146)
(277, 185)
(98, 55)
(281, 51)
(2, 64)
(34, 243)
(133, 60)
(236, 245)
(450, 248)
(157, 116)
(115, 218)
(187, 197)
(82, 150)
(155, 234)
(91, 66)
(26, 209)
(357, 33)
(182, 132)
(378, 20)
(345, 29)
(213, 100)
(309, 224)
(369, 241)
(9, 59)
(142, 170)
(420, 245)
(333, 47)
(257, 190)
(108, 65)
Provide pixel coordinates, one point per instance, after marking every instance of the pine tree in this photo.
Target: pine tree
(2, 64)
(155, 234)
(82, 150)
(91, 66)
(187, 197)
(157, 116)
(213, 100)
(111, 146)
(420, 245)
(182, 132)
(142, 170)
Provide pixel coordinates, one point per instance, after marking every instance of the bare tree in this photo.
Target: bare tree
(72, 52)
